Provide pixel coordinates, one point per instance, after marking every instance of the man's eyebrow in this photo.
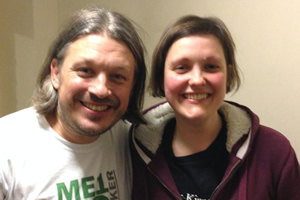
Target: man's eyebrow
(121, 68)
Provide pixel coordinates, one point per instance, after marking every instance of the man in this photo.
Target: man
(72, 144)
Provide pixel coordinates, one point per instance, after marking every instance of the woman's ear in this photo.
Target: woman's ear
(229, 77)
(229, 68)
(54, 73)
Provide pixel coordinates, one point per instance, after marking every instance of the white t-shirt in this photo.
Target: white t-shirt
(36, 163)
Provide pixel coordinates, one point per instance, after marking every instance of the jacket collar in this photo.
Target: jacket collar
(150, 135)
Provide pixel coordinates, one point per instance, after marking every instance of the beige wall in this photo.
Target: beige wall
(27, 28)
(266, 35)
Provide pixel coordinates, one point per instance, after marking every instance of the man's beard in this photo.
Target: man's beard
(77, 128)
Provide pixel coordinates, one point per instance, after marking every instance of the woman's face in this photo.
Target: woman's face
(195, 77)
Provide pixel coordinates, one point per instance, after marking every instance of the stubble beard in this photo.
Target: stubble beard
(77, 128)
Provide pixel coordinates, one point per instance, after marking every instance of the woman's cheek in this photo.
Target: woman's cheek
(219, 81)
(172, 84)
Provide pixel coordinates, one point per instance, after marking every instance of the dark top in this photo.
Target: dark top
(197, 175)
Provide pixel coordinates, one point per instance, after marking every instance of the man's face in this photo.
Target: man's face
(94, 86)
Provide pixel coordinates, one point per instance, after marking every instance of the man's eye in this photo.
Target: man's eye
(85, 70)
(118, 77)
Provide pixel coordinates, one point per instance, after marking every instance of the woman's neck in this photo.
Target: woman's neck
(195, 136)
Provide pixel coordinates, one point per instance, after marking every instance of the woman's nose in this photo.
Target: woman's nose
(197, 78)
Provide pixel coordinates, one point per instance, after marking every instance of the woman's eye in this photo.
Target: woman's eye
(212, 67)
(180, 68)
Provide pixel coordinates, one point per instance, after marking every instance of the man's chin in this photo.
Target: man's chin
(96, 129)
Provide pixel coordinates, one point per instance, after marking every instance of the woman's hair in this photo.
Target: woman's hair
(187, 26)
(94, 21)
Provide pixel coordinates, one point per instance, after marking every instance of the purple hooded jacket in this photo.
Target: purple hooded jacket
(262, 163)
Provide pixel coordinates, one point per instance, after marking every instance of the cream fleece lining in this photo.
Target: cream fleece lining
(150, 135)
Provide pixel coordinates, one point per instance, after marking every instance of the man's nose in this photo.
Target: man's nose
(100, 86)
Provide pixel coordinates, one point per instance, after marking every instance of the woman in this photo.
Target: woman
(196, 145)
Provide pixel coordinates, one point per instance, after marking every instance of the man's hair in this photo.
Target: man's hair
(94, 21)
(187, 26)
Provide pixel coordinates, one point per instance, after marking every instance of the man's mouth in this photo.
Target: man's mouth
(95, 107)
(196, 96)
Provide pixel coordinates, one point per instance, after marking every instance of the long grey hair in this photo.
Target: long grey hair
(89, 21)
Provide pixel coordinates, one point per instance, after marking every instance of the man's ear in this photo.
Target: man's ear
(54, 73)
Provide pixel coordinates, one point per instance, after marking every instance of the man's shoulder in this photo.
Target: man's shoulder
(19, 118)
(120, 128)
(16, 128)
(121, 124)
(19, 113)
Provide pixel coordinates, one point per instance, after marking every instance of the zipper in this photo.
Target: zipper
(174, 195)
(233, 169)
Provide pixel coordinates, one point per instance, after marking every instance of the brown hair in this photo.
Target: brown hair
(186, 26)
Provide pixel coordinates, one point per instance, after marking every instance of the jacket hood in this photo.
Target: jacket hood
(238, 122)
